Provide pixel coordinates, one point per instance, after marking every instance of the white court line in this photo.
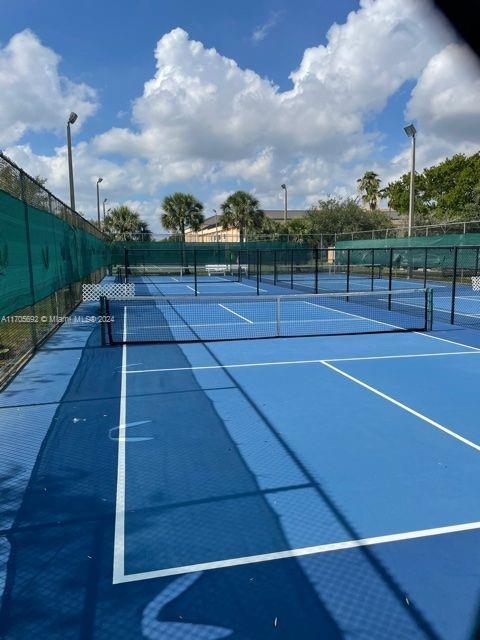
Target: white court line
(295, 362)
(438, 309)
(472, 297)
(297, 553)
(189, 287)
(353, 315)
(460, 344)
(119, 539)
(234, 313)
(405, 407)
(250, 286)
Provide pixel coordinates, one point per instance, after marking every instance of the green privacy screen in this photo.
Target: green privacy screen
(47, 252)
(438, 251)
(41, 253)
(174, 252)
(449, 240)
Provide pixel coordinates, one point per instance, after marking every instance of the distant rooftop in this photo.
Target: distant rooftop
(273, 214)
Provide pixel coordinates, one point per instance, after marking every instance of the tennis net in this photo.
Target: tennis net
(150, 319)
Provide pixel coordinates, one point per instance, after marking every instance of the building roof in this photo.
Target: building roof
(273, 214)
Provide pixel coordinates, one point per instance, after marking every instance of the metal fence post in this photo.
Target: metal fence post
(195, 271)
(425, 267)
(103, 315)
(291, 270)
(258, 272)
(316, 269)
(348, 269)
(454, 285)
(33, 329)
(125, 264)
(372, 273)
(274, 266)
(390, 275)
(277, 315)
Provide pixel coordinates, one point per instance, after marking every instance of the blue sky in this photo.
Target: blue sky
(212, 96)
(109, 45)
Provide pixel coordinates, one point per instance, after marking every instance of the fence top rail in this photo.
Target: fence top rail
(411, 248)
(43, 188)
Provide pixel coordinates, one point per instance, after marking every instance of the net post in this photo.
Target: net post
(390, 274)
(274, 266)
(103, 315)
(195, 272)
(125, 264)
(316, 269)
(454, 285)
(291, 270)
(428, 309)
(425, 265)
(258, 272)
(248, 264)
(277, 315)
(476, 261)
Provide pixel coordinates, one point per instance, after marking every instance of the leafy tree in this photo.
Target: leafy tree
(369, 187)
(397, 194)
(298, 229)
(242, 211)
(144, 232)
(332, 216)
(124, 224)
(182, 210)
(449, 190)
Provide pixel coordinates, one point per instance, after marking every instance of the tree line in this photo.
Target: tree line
(444, 192)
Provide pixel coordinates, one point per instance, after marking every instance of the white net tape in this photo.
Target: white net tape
(476, 283)
(94, 291)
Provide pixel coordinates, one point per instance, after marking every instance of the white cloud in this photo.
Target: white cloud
(33, 94)
(262, 31)
(201, 105)
(205, 125)
(446, 100)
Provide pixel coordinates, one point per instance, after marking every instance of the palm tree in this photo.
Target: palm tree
(369, 187)
(123, 224)
(182, 210)
(241, 211)
(144, 233)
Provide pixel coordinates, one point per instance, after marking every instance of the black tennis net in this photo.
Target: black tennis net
(149, 319)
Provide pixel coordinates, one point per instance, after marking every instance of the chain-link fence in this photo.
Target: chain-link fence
(47, 251)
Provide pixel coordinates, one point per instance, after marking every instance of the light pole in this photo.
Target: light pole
(98, 200)
(285, 203)
(104, 203)
(71, 119)
(411, 133)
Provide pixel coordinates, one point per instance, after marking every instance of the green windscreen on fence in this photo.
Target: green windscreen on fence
(47, 253)
(41, 253)
(409, 252)
(164, 253)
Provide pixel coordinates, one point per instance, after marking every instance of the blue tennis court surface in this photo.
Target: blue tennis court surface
(303, 487)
